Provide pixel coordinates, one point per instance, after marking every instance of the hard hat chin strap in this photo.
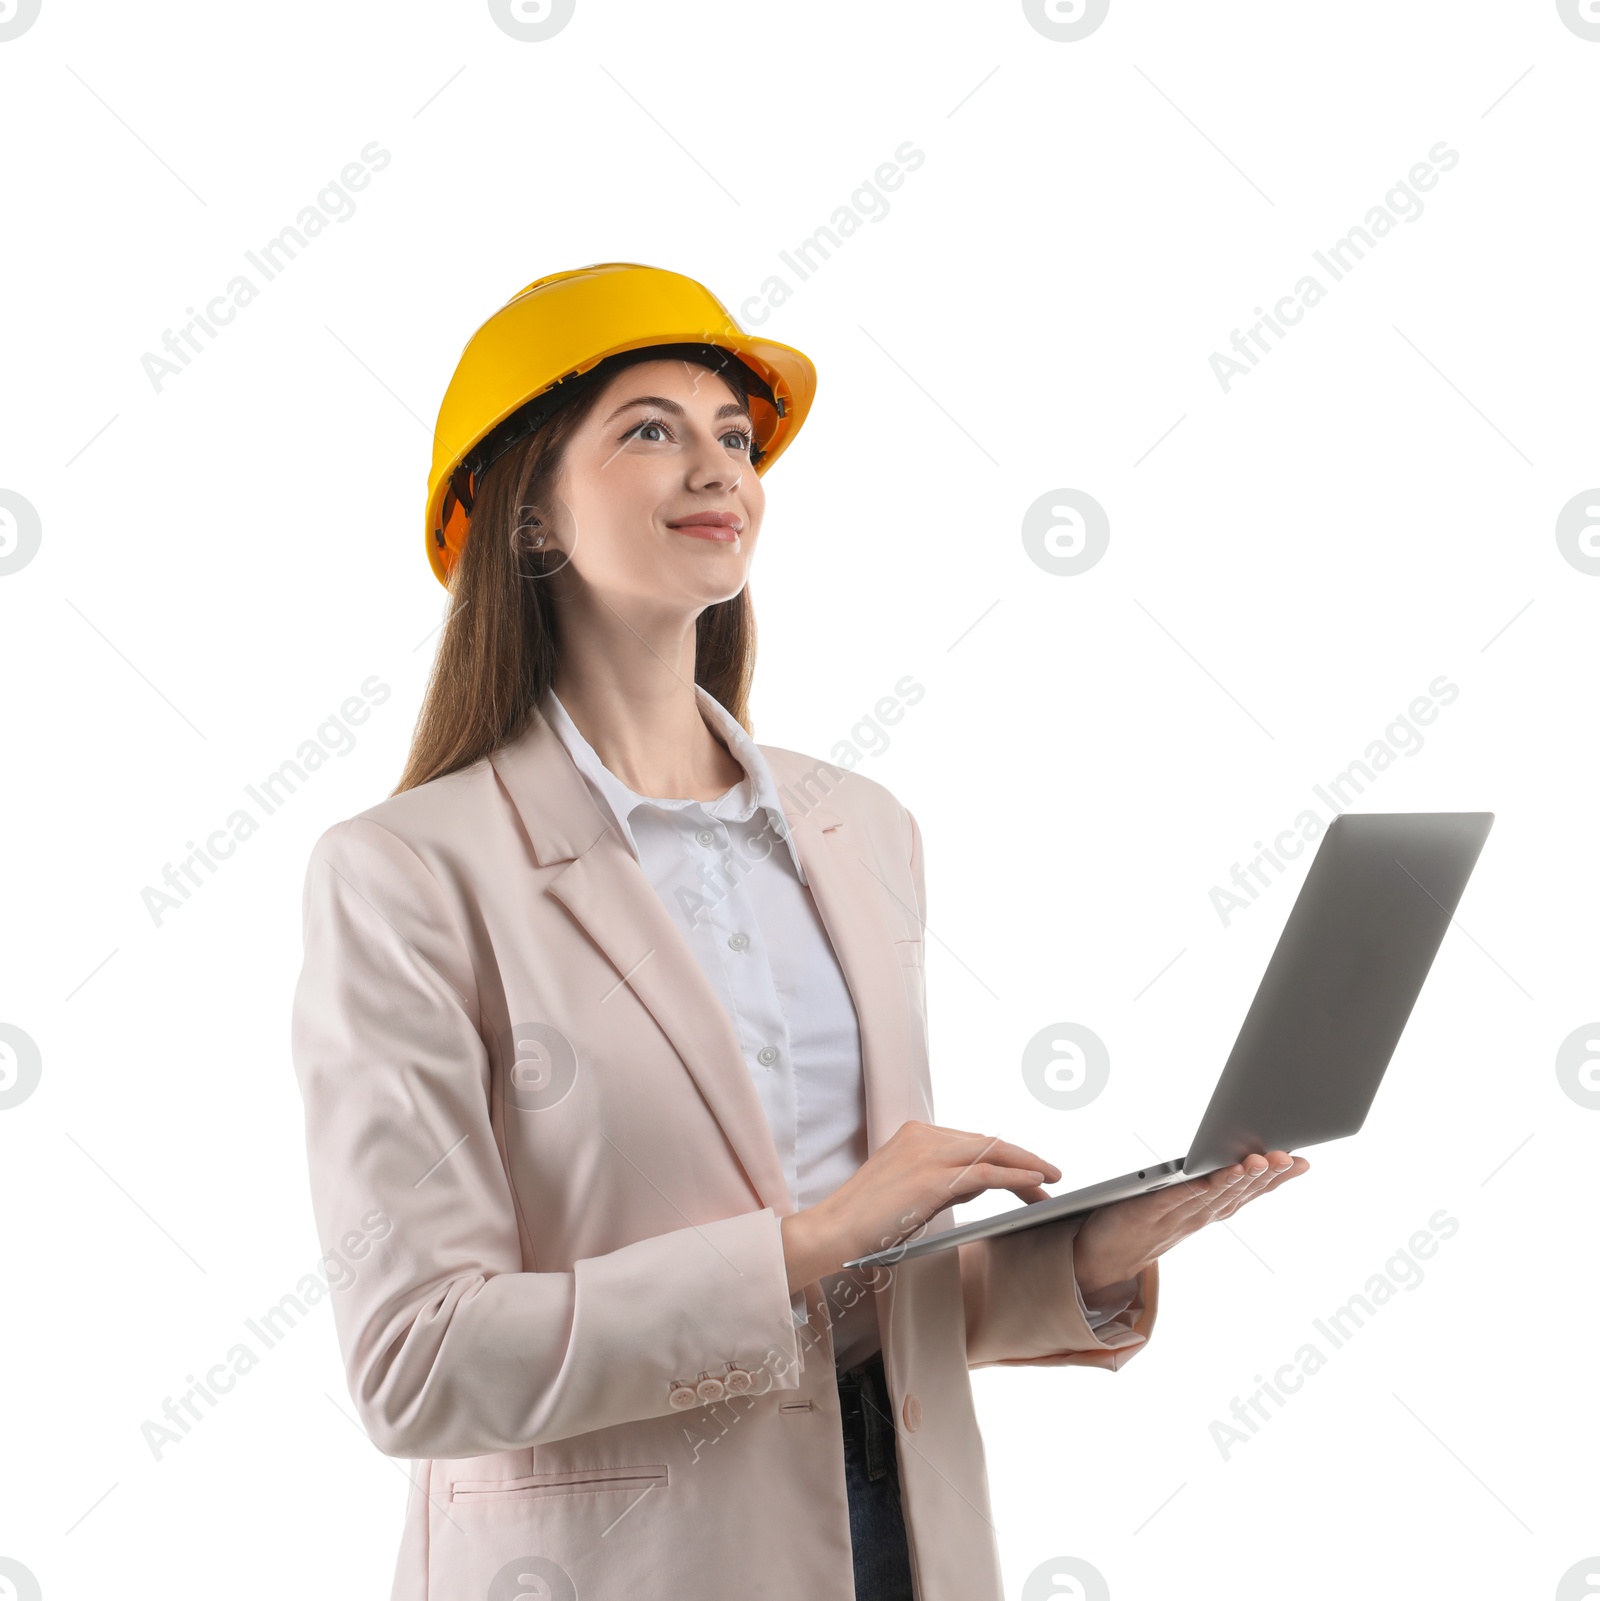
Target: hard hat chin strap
(468, 475)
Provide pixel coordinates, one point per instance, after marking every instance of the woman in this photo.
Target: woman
(612, 1038)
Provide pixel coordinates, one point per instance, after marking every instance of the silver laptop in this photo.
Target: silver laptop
(1325, 1020)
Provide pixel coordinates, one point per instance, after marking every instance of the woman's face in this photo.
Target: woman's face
(665, 443)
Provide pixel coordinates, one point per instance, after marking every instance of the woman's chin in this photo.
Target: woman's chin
(712, 582)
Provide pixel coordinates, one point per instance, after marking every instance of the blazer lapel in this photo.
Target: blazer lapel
(854, 906)
(608, 895)
(856, 910)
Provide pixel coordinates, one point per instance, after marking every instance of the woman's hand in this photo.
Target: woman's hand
(1117, 1242)
(917, 1172)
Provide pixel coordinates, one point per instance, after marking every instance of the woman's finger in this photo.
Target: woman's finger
(1217, 1195)
(975, 1149)
(1199, 1198)
(1268, 1179)
(1245, 1192)
(1000, 1165)
(1292, 1169)
(977, 1177)
(1225, 1191)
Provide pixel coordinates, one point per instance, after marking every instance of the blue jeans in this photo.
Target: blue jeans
(872, 1477)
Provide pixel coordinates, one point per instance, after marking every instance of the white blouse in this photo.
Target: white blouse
(728, 873)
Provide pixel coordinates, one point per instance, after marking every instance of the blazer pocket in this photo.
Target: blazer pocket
(911, 951)
(574, 1482)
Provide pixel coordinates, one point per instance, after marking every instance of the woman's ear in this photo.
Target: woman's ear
(542, 532)
(528, 530)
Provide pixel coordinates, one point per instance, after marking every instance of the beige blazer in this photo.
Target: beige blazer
(535, 1148)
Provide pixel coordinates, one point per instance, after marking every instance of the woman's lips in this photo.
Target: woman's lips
(716, 531)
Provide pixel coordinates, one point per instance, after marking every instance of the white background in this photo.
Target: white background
(1291, 563)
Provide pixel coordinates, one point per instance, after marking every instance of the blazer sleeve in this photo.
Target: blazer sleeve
(450, 1347)
(1024, 1307)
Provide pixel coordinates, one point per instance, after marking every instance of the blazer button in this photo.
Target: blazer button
(737, 1380)
(682, 1395)
(710, 1389)
(911, 1411)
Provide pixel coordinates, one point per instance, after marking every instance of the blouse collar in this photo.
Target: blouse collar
(756, 790)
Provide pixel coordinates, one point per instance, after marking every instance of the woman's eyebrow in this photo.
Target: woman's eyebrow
(731, 409)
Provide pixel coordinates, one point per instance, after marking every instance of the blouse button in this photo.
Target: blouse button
(710, 1389)
(706, 837)
(911, 1411)
(738, 942)
(766, 1056)
(737, 1380)
(681, 1395)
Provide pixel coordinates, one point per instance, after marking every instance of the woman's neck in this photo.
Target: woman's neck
(645, 725)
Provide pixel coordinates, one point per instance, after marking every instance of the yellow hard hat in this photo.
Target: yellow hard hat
(528, 358)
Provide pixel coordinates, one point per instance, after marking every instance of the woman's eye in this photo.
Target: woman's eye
(642, 430)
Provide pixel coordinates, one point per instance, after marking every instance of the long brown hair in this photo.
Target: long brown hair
(501, 643)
